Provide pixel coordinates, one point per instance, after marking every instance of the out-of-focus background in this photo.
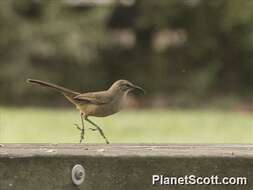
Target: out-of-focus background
(193, 57)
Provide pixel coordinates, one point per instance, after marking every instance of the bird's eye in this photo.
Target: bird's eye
(128, 86)
(125, 87)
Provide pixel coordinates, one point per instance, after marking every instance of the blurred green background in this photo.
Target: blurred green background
(193, 57)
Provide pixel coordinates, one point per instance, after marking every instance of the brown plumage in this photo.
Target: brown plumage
(98, 104)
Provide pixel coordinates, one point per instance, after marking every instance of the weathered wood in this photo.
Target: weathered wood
(120, 166)
(114, 150)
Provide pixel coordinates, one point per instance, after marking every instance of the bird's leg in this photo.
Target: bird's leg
(81, 129)
(97, 128)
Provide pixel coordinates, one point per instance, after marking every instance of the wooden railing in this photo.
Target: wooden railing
(120, 166)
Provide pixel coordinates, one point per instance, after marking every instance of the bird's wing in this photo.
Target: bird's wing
(94, 97)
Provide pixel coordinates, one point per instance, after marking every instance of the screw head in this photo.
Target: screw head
(78, 174)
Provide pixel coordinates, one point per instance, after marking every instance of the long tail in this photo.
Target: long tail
(65, 91)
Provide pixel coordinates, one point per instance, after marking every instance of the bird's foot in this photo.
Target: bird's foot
(82, 132)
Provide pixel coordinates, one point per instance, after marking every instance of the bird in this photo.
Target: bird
(97, 104)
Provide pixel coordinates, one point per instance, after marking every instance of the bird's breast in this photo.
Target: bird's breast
(99, 110)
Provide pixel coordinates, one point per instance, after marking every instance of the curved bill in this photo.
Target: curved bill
(138, 88)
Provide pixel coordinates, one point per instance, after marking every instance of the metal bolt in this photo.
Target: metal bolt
(78, 174)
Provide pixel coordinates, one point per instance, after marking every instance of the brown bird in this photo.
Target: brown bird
(98, 104)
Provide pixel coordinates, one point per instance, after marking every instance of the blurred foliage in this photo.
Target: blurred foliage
(76, 46)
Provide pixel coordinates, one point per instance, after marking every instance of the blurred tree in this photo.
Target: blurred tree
(180, 48)
(48, 40)
(214, 55)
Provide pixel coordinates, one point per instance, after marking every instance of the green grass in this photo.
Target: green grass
(35, 125)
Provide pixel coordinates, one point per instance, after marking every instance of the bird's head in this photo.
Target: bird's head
(125, 86)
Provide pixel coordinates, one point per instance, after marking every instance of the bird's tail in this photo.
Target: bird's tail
(65, 91)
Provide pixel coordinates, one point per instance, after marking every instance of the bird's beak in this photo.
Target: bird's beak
(138, 88)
